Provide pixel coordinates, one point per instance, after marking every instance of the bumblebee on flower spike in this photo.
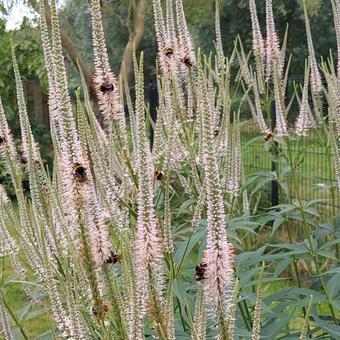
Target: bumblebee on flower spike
(107, 87)
(80, 173)
(200, 271)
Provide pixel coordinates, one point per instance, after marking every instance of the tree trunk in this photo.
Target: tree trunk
(134, 40)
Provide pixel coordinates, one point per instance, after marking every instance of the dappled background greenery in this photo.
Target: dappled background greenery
(119, 25)
(119, 19)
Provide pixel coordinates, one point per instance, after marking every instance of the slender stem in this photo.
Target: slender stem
(245, 319)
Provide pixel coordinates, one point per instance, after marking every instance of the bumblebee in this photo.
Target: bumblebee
(2, 139)
(23, 159)
(216, 133)
(268, 136)
(159, 175)
(113, 258)
(168, 52)
(80, 173)
(107, 88)
(104, 308)
(25, 184)
(200, 271)
(187, 62)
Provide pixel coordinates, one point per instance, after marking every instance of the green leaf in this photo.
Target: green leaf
(334, 286)
(277, 224)
(187, 245)
(275, 326)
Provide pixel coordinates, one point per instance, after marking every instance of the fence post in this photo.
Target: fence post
(153, 102)
(274, 184)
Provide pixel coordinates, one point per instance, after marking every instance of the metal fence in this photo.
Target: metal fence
(313, 178)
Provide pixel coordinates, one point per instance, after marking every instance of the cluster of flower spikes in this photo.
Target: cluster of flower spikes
(67, 212)
(175, 47)
(332, 94)
(71, 210)
(270, 60)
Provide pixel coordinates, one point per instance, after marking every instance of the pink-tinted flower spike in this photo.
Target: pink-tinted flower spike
(159, 24)
(170, 23)
(148, 246)
(305, 120)
(316, 83)
(336, 15)
(7, 146)
(272, 42)
(218, 257)
(105, 82)
(185, 39)
(281, 124)
(219, 46)
(258, 43)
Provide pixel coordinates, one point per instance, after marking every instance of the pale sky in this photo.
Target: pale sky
(16, 16)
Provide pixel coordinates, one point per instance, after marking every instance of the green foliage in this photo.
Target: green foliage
(285, 253)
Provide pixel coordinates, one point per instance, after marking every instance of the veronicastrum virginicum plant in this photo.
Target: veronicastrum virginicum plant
(127, 241)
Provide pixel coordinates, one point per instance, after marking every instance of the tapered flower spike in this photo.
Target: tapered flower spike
(7, 146)
(257, 310)
(68, 140)
(159, 24)
(335, 152)
(106, 84)
(244, 65)
(281, 124)
(219, 46)
(305, 120)
(333, 96)
(9, 245)
(198, 328)
(258, 109)
(148, 246)
(219, 253)
(170, 22)
(272, 42)
(316, 83)
(166, 39)
(232, 311)
(5, 323)
(336, 15)
(47, 49)
(184, 36)
(304, 331)
(233, 176)
(258, 42)
(27, 138)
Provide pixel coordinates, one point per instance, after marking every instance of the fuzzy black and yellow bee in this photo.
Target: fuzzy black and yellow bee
(113, 258)
(159, 175)
(104, 308)
(200, 271)
(107, 87)
(216, 133)
(80, 173)
(25, 184)
(187, 62)
(168, 52)
(267, 137)
(23, 159)
(2, 139)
